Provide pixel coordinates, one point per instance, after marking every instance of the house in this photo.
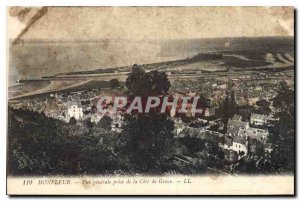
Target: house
(259, 134)
(96, 117)
(223, 86)
(75, 98)
(204, 121)
(179, 126)
(51, 109)
(117, 122)
(74, 110)
(237, 118)
(258, 119)
(237, 123)
(232, 131)
(201, 133)
(209, 112)
(116, 128)
(240, 145)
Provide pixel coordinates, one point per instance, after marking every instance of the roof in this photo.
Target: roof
(239, 139)
(233, 130)
(71, 103)
(258, 116)
(179, 124)
(239, 124)
(228, 140)
(253, 133)
(196, 132)
(75, 97)
(52, 106)
(237, 118)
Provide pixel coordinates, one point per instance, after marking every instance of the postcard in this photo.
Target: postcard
(150, 101)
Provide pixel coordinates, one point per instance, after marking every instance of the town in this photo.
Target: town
(237, 112)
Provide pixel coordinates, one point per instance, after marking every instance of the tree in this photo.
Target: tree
(263, 103)
(46, 149)
(159, 82)
(72, 121)
(137, 82)
(229, 107)
(114, 83)
(105, 122)
(282, 133)
(203, 103)
(147, 137)
(34, 149)
(140, 83)
(284, 101)
(264, 106)
(232, 105)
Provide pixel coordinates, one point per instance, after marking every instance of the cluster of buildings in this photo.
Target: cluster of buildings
(243, 140)
(79, 106)
(248, 88)
(247, 138)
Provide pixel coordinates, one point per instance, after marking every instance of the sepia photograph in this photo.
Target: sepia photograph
(150, 100)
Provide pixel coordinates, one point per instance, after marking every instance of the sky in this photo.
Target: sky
(155, 23)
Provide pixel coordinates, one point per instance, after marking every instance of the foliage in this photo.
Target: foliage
(229, 107)
(114, 83)
(105, 122)
(282, 131)
(72, 121)
(147, 137)
(54, 147)
(263, 107)
(140, 83)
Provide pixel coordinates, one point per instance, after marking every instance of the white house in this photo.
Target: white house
(258, 119)
(240, 144)
(74, 110)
